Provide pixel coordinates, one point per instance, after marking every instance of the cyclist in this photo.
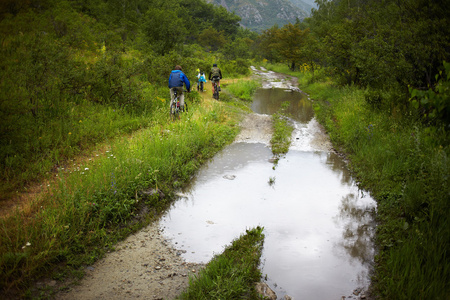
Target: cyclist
(176, 80)
(215, 75)
(201, 78)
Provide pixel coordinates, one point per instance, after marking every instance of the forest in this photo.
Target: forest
(76, 73)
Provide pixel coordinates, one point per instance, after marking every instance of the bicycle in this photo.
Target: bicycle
(216, 90)
(200, 86)
(175, 108)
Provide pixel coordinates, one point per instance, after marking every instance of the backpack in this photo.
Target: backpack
(215, 72)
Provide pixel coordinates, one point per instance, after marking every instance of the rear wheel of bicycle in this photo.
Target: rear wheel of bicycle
(216, 92)
(174, 112)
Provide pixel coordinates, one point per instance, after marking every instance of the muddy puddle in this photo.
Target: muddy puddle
(318, 224)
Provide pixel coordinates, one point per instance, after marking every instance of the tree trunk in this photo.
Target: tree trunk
(292, 66)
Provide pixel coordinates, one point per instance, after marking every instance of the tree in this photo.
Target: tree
(290, 40)
(267, 44)
(163, 29)
(212, 39)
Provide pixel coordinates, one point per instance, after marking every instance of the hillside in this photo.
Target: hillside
(258, 15)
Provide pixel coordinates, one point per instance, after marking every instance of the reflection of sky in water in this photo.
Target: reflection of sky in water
(317, 242)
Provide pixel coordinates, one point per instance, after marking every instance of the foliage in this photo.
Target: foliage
(388, 47)
(232, 274)
(212, 39)
(92, 203)
(405, 166)
(434, 104)
(243, 89)
(90, 70)
(290, 39)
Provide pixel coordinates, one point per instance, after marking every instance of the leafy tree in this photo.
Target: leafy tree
(164, 29)
(267, 44)
(239, 48)
(290, 40)
(212, 39)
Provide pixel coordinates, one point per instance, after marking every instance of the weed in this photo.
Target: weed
(232, 274)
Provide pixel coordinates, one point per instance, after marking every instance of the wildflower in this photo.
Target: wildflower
(86, 169)
(70, 133)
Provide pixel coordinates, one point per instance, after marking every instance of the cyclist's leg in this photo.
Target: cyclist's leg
(172, 95)
(181, 93)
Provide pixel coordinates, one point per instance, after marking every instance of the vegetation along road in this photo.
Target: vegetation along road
(88, 154)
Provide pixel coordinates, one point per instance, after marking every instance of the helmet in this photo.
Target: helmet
(214, 65)
(198, 70)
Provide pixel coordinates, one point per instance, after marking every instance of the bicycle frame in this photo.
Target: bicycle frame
(175, 108)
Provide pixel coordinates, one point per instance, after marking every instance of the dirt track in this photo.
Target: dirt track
(145, 265)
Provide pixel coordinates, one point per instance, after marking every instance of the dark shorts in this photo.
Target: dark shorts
(215, 79)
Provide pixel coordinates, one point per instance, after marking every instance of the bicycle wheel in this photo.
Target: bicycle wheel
(216, 92)
(174, 111)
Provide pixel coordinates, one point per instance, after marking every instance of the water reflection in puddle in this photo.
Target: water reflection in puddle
(317, 223)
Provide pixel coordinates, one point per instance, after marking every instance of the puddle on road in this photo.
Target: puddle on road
(318, 224)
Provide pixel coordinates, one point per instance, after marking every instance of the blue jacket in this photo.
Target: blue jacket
(177, 78)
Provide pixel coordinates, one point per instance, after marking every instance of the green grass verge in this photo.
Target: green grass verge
(232, 274)
(405, 165)
(90, 206)
(243, 89)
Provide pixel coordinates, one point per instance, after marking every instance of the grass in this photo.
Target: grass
(80, 124)
(282, 131)
(243, 89)
(405, 165)
(91, 204)
(232, 274)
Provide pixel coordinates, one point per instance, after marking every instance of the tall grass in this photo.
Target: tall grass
(243, 89)
(232, 274)
(405, 165)
(90, 205)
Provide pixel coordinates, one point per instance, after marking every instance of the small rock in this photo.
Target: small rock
(229, 177)
(157, 268)
(264, 290)
(52, 283)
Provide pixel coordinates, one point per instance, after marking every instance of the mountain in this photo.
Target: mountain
(305, 5)
(259, 15)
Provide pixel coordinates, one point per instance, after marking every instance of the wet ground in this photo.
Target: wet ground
(318, 224)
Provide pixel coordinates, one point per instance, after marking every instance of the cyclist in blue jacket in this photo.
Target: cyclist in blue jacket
(176, 80)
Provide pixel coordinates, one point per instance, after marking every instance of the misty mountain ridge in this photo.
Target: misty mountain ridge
(258, 15)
